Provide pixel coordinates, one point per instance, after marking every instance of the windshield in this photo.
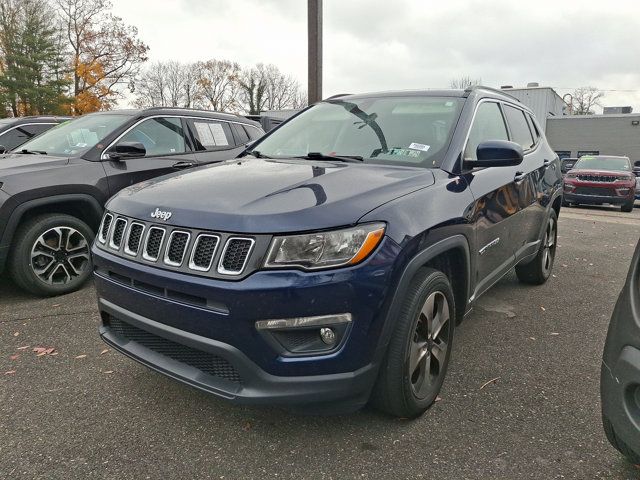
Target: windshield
(393, 130)
(604, 163)
(75, 137)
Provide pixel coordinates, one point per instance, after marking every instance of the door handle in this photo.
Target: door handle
(181, 165)
(519, 176)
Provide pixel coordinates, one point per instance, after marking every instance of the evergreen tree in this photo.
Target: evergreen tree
(32, 77)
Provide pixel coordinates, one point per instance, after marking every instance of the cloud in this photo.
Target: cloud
(380, 44)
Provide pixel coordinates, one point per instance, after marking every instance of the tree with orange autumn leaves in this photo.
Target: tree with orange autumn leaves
(106, 54)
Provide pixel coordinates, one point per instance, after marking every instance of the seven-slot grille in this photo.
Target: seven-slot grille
(597, 178)
(179, 248)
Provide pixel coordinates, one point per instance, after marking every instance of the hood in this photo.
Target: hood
(269, 196)
(14, 163)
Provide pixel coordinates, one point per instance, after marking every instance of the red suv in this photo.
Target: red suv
(601, 179)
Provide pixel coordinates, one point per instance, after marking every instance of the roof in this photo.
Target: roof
(36, 118)
(432, 93)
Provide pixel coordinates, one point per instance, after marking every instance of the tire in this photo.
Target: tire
(51, 254)
(627, 207)
(537, 271)
(618, 444)
(407, 388)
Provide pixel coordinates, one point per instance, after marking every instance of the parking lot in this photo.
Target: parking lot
(521, 399)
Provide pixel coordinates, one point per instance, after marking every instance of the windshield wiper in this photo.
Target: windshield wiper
(323, 156)
(32, 152)
(256, 154)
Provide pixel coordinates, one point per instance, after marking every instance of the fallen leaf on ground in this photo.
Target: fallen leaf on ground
(55, 305)
(10, 372)
(80, 356)
(438, 398)
(543, 309)
(493, 380)
(246, 427)
(106, 350)
(23, 348)
(40, 351)
(554, 333)
(108, 371)
(14, 357)
(532, 338)
(16, 334)
(565, 265)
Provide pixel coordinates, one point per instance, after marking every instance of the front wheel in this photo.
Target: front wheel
(627, 207)
(51, 254)
(415, 365)
(539, 269)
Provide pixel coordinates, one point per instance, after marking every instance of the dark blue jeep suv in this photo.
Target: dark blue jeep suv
(331, 264)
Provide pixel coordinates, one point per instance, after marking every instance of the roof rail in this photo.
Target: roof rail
(338, 95)
(192, 109)
(491, 89)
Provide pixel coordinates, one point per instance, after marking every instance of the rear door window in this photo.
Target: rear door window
(241, 135)
(212, 134)
(36, 129)
(519, 127)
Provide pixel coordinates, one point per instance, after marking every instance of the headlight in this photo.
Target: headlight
(571, 175)
(325, 249)
(625, 178)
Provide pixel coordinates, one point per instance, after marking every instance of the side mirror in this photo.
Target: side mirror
(636, 171)
(498, 153)
(124, 150)
(2, 149)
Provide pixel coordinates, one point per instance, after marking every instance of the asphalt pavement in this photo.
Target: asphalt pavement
(521, 399)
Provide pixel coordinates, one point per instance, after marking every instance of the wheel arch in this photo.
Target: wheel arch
(83, 206)
(447, 255)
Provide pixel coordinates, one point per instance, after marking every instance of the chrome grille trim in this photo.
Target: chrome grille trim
(167, 260)
(145, 253)
(221, 268)
(102, 235)
(127, 250)
(112, 243)
(194, 249)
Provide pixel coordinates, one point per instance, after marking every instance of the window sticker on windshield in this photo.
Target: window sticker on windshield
(405, 152)
(419, 146)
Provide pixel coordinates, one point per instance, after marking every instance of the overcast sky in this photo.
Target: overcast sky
(372, 45)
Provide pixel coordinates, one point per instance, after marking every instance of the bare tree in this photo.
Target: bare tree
(219, 85)
(168, 84)
(464, 82)
(584, 99)
(264, 87)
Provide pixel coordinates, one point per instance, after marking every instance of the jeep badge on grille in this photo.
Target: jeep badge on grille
(162, 215)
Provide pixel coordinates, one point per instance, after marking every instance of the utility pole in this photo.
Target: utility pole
(314, 32)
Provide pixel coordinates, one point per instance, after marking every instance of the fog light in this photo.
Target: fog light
(319, 335)
(328, 336)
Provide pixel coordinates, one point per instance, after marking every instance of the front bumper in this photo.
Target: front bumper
(593, 199)
(167, 331)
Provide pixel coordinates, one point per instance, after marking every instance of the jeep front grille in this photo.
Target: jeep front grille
(134, 238)
(104, 228)
(203, 252)
(235, 255)
(213, 254)
(117, 234)
(597, 178)
(176, 246)
(153, 244)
